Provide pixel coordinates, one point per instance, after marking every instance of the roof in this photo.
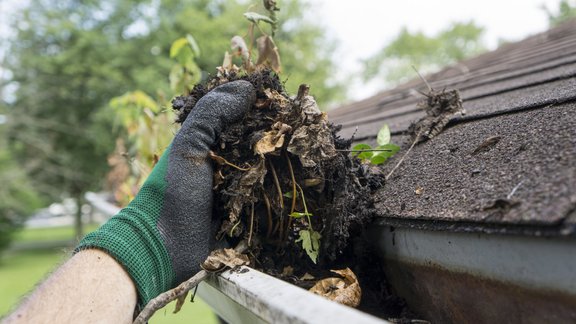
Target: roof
(508, 164)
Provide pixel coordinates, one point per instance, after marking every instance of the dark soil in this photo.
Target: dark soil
(256, 195)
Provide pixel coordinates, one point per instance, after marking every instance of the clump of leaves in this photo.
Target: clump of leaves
(284, 179)
(379, 154)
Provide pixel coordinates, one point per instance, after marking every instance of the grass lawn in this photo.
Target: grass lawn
(50, 233)
(21, 270)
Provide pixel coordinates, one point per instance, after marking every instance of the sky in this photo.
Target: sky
(363, 27)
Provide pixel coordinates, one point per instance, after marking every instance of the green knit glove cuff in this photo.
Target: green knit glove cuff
(133, 239)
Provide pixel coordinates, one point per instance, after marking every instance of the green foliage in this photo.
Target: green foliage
(186, 73)
(566, 10)
(256, 17)
(310, 243)
(427, 53)
(70, 57)
(380, 153)
(309, 237)
(18, 197)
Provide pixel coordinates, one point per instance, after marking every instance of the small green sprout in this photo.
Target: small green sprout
(309, 237)
(380, 153)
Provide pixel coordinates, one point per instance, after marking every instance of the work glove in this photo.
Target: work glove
(165, 233)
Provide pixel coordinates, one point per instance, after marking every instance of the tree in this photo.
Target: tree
(427, 53)
(70, 57)
(17, 197)
(566, 10)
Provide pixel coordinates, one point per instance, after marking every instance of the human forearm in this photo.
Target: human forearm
(91, 287)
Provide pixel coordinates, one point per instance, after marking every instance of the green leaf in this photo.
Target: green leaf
(299, 214)
(390, 150)
(383, 137)
(289, 194)
(378, 159)
(177, 47)
(310, 243)
(362, 155)
(193, 45)
(256, 17)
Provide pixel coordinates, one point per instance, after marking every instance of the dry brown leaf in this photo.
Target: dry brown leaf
(287, 271)
(307, 276)
(244, 190)
(272, 140)
(341, 290)
(277, 98)
(310, 110)
(269, 143)
(268, 53)
(238, 44)
(221, 258)
(312, 144)
(227, 66)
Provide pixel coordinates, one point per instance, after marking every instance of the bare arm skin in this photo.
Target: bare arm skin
(91, 287)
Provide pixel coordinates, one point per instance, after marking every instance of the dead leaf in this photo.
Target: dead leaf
(218, 259)
(240, 48)
(419, 190)
(272, 140)
(344, 290)
(287, 271)
(312, 144)
(307, 276)
(310, 110)
(227, 66)
(244, 190)
(439, 106)
(269, 143)
(238, 44)
(278, 99)
(268, 53)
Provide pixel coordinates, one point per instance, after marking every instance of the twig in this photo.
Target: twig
(166, 297)
(404, 156)
(421, 77)
(514, 190)
(277, 184)
(222, 160)
(294, 194)
(251, 225)
(269, 212)
(305, 207)
(181, 290)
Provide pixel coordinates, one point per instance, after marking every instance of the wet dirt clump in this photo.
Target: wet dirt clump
(285, 182)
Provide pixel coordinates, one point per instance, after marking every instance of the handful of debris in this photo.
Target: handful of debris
(284, 180)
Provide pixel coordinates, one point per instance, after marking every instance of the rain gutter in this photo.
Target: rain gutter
(451, 277)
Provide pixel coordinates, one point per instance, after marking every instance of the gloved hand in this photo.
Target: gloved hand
(164, 234)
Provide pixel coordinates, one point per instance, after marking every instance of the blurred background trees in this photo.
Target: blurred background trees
(566, 10)
(68, 58)
(426, 53)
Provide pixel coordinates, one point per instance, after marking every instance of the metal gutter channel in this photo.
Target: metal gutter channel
(247, 296)
(449, 277)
